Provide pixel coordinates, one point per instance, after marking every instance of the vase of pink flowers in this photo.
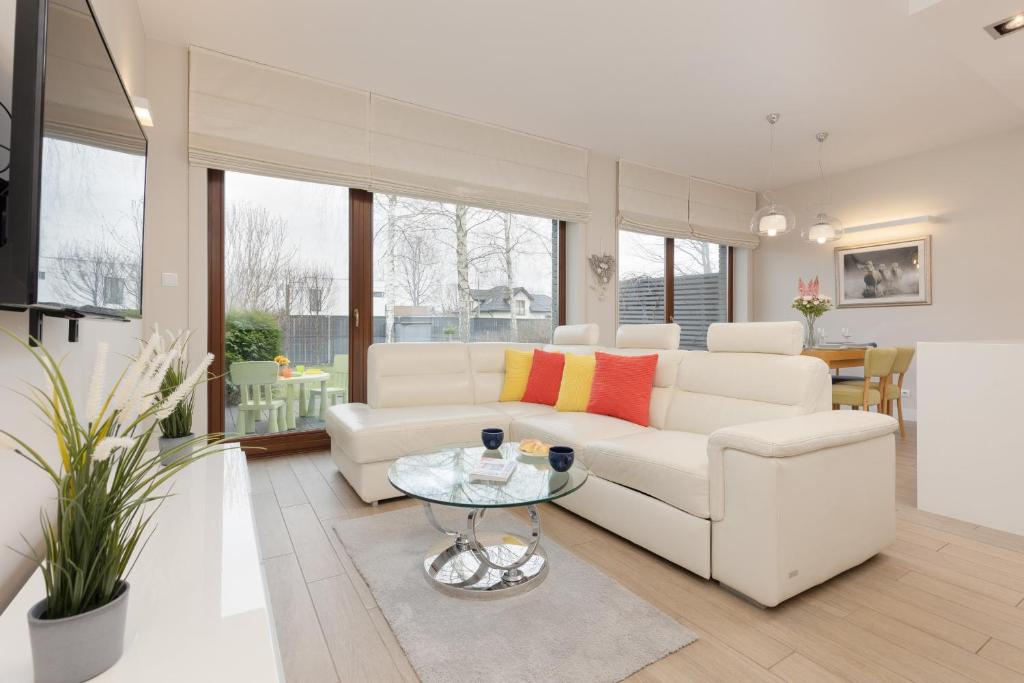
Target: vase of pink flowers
(812, 304)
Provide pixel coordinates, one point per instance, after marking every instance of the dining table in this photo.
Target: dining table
(839, 358)
(296, 390)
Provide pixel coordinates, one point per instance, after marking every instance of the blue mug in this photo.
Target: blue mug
(560, 458)
(492, 438)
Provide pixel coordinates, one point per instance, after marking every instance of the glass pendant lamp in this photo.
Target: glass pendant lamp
(772, 219)
(824, 228)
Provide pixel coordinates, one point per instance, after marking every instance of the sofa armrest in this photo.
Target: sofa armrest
(803, 434)
(788, 437)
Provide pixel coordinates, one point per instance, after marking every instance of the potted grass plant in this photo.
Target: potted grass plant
(108, 486)
(176, 437)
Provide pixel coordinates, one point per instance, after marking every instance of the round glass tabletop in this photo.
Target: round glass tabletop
(443, 477)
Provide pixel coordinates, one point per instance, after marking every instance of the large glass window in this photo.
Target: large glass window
(450, 272)
(286, 292)
(699, 291)
(641, 278)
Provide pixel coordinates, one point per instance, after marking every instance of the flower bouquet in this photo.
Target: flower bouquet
(108, 487)
(283, 362)
(812, 304)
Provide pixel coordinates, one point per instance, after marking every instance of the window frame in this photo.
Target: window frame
(668, 278)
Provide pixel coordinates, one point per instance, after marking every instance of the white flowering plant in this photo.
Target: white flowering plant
(813, 306)
(108, 483)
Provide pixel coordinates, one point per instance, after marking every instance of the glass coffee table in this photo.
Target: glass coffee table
(472, 563)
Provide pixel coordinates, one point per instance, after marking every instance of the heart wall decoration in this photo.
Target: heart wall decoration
(602, 266)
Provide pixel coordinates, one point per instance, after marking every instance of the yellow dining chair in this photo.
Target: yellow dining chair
(867, 392)
(894, 386)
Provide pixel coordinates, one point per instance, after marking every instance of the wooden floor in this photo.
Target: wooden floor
(943, 603)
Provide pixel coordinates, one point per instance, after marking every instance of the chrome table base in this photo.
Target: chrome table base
(485, 565)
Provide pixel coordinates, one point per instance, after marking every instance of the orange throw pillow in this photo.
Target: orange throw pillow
(545, 378)
(622, 387)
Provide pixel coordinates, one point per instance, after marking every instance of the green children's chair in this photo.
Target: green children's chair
(255, 380)
(337, 385)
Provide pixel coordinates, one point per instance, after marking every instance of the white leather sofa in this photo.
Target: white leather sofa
(745, 475)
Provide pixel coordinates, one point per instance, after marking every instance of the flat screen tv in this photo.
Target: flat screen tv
(71, 244)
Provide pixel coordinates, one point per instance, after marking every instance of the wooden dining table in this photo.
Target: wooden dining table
(837, 359)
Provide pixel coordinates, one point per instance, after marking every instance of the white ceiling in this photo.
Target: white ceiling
(679, 84)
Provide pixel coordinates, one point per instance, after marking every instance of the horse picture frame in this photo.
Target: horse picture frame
(884, 274)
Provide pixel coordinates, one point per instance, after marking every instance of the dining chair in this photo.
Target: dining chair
(256, 380)
(337, 385)
(893, 393)
(867, 392)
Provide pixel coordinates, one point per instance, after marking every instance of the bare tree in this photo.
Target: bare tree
(256, 262)
(417, 272)
(96, 274)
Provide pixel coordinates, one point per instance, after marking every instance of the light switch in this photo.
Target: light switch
(169, 279)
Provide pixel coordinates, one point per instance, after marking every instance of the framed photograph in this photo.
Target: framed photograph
(885, 274)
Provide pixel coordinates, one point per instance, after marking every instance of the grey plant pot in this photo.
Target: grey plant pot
(167, 445)
(75, 649)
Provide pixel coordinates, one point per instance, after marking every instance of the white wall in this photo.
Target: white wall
(23, 489)
(975, 188)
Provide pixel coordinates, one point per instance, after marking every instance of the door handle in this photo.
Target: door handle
(356, 311)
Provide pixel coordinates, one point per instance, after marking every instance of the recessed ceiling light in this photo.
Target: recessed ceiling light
(1006, 26)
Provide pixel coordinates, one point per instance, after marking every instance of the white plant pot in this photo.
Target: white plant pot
(168, 454)
(75, 649)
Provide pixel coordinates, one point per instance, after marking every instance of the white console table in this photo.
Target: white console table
(970, 461)
(198, 609)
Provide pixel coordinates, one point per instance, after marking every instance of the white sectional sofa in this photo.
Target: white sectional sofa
(745, 475)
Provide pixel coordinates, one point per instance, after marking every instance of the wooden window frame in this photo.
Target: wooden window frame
(360, 208)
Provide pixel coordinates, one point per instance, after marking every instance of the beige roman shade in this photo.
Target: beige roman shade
(253, 118)
(658, 202)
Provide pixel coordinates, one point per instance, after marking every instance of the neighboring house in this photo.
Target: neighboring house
(496, 303)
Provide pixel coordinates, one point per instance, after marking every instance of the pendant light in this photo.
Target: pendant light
(824, 228)
(773, 218)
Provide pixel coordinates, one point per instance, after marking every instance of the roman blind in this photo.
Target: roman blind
(668, 204)
(247, 117)
(253, 118)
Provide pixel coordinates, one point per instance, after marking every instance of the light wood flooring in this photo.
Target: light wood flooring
(943, 603)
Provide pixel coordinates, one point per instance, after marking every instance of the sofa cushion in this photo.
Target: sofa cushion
(367, 434)
(518, 365)
(545, 377)
(418, 374)
(515, 409)
(670, 466)
(577, 378)
(586, 334)
(784, 338)
(622, 387)
(571, 429)
(487, 366)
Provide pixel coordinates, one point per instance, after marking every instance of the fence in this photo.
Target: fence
(699, 301)
(315, 340)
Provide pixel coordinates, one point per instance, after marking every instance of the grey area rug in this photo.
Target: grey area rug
(578, 625)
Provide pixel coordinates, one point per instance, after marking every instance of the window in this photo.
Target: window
(699, 276)
(451, 272)
(641, 278)
(700, 289)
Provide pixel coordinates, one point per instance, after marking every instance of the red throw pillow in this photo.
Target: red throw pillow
(622, 387)
(545, 378)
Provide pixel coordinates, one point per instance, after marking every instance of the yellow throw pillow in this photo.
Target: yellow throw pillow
(577, 376)
(517, 372)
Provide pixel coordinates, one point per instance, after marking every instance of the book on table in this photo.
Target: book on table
(493, 470)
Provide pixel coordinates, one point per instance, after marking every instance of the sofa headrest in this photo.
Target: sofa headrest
(585, 334)
(652, 336)
(784, 338)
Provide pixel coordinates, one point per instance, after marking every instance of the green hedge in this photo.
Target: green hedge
(250, 335)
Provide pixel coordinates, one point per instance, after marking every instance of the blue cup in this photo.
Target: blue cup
(560, 458)
(492, 438)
